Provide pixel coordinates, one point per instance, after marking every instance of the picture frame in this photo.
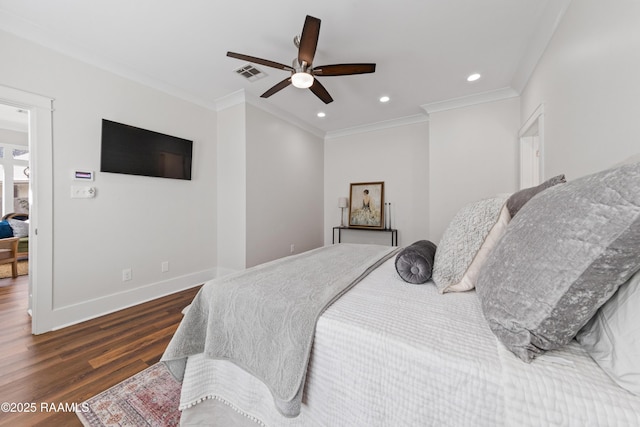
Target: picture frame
(366, 206)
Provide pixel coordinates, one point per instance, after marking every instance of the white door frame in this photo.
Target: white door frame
(531, 145)
(40, 110)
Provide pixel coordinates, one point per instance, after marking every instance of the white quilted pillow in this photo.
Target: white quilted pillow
(462, 240)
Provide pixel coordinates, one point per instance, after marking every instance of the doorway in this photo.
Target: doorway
(14, 191)
(531, 138)
(40, 202)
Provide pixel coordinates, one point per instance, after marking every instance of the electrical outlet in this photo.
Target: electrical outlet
(126, 274)
(293, 248)
(164, 266)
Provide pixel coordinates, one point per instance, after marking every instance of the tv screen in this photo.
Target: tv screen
(134, 151)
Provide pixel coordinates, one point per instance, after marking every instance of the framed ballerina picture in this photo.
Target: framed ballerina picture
(366, 205)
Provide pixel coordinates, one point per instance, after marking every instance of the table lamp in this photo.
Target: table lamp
(343, 202)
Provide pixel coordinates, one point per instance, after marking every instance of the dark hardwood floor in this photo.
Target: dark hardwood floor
(78, 362)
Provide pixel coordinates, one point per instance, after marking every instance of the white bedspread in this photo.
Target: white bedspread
(390, 353)
(564, 388)
(386, 353)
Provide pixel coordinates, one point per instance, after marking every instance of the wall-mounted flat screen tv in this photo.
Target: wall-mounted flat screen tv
(135, 151)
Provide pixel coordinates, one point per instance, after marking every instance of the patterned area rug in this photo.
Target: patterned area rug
(149, 398)
(5, 269)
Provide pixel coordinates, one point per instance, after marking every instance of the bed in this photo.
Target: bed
(391, 350)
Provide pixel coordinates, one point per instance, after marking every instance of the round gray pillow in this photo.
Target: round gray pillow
(415, 262)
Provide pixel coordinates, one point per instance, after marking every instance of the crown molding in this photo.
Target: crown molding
(467, 101)
(386, 124)
(241, 96)
(546, 28)
(234, 98)
(17, 26)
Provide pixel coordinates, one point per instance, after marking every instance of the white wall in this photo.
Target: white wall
(284, 188)
(270, 180)
(399, 156)
(232, 193)
(134, 222)
(588, 82)
(473, 155)
(14, 137)
(258, 186)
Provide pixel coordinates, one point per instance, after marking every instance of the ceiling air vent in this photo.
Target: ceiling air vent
(250, 72)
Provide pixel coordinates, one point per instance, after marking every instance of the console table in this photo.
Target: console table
(392, 231)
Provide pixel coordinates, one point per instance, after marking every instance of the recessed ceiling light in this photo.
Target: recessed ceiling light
(321, 114)
(473, 77)
(384, 99)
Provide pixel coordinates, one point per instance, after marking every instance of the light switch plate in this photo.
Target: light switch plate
(82, 192)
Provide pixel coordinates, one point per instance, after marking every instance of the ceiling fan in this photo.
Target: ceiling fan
(303, 73)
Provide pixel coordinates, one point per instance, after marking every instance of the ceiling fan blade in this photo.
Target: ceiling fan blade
(260, 61)
(309, 40)
(344, 69)
(286, 82)
(321, 92)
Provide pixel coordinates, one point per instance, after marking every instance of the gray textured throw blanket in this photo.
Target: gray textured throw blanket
(263, 319)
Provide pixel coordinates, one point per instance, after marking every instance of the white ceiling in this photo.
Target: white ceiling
(12, 118)
(424, 49)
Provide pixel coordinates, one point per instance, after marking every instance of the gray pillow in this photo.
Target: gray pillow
(519, 198)
(561, 258)
(415, 262)
(463, 238)
(612, 336)
(20, 228)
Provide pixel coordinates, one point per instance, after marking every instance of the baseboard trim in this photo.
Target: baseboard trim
(66, 316)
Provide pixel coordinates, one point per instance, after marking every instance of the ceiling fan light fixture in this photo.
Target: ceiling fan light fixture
(302, 80)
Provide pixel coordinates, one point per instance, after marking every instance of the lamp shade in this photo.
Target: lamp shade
(343, 202)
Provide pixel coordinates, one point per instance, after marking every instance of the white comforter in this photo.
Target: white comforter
(564, 388)
(390, 353)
